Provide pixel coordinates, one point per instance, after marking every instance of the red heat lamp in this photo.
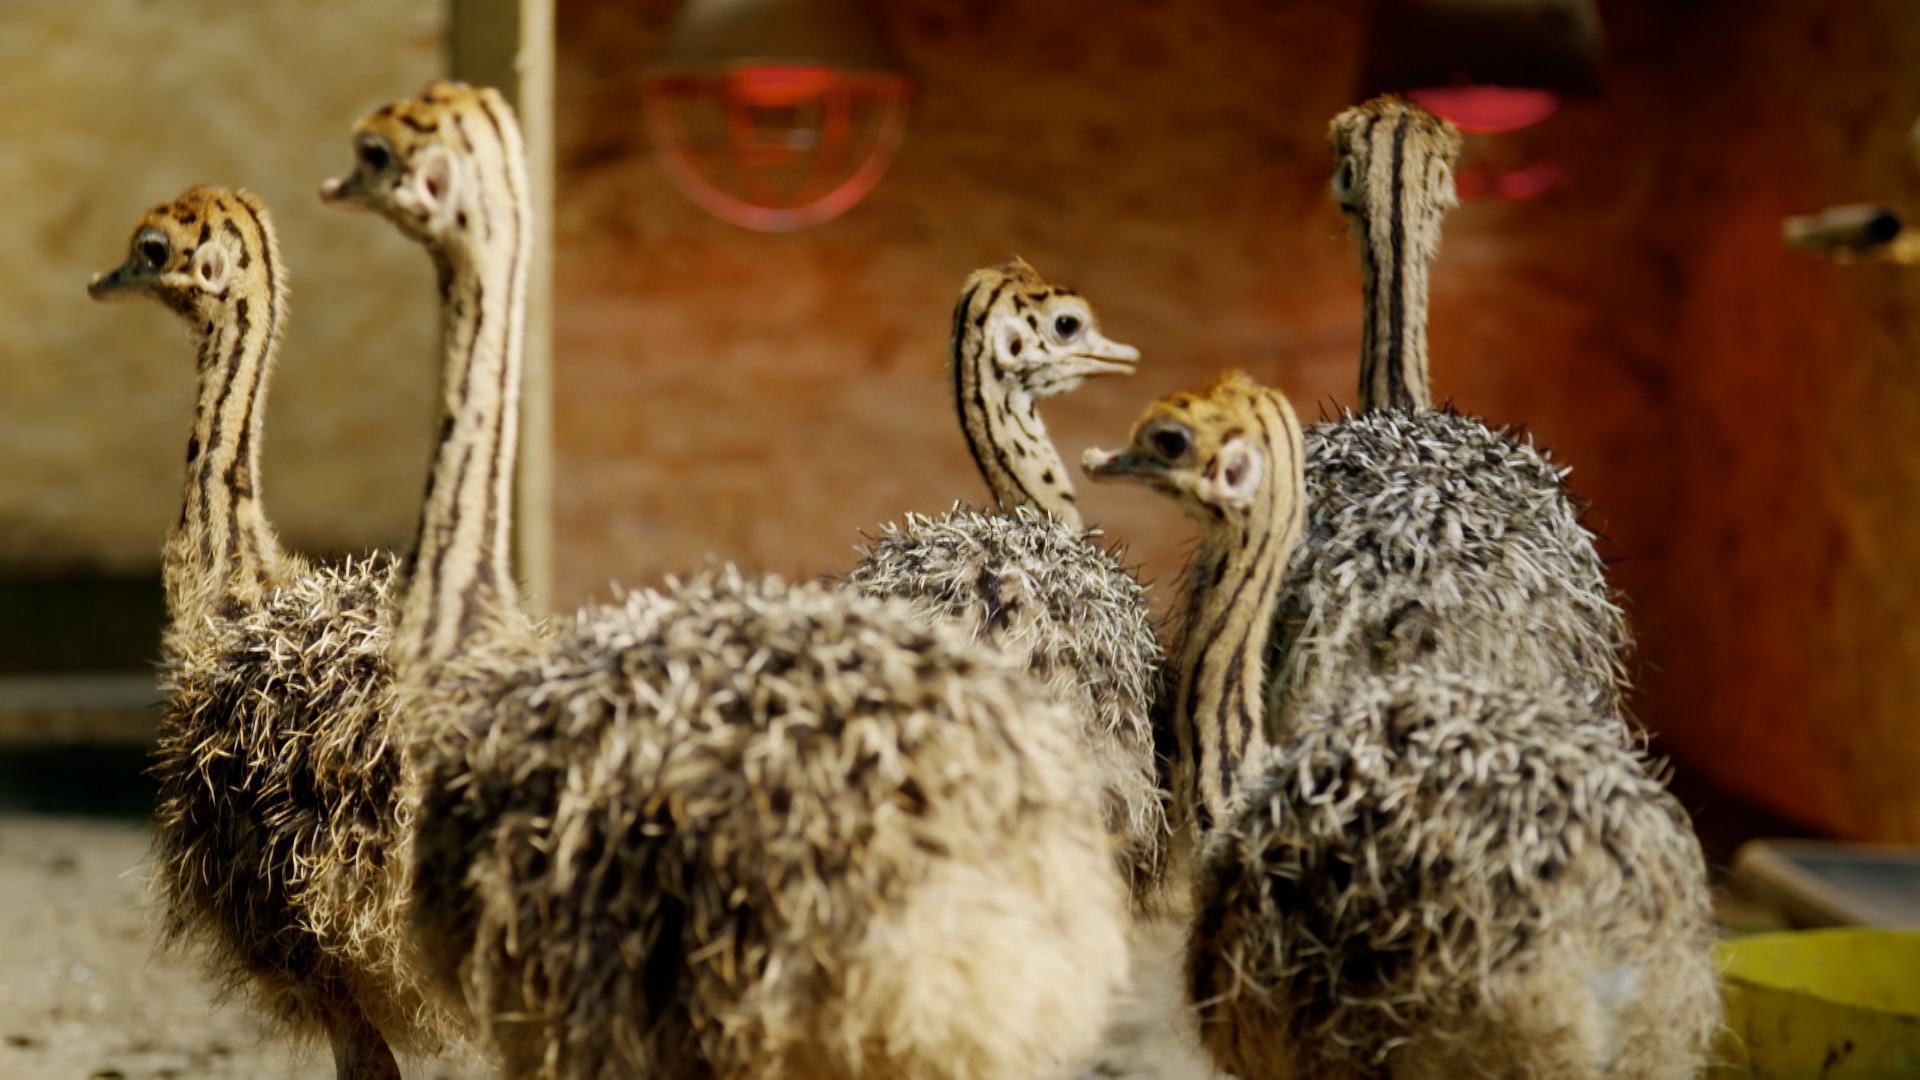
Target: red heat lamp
(776, 114)
(1487, 65)
(1487, 110)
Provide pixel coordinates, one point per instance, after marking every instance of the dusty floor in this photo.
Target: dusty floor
(84, 997)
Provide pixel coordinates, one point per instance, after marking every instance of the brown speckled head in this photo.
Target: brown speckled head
(205, 252)
(1210, 451)
(1018, 340)
(413, 160)
(1041, 338)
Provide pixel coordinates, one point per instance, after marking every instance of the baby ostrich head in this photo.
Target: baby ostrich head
(1229, 456)
(1018, 340)
(1042, 339)
(1393, 178)
(1214, 454)
(404, 167)
(197, 255)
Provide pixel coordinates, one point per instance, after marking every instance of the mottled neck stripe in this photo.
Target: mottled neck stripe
(1397, 226)
(1005, 434)
(461, 581)
(223, 538)
(1220, 704)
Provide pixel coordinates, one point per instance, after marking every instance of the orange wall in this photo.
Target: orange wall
(1740, 418)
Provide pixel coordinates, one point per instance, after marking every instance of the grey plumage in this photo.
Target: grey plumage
(1066, 611)
(1433, 539)
(1437, 877)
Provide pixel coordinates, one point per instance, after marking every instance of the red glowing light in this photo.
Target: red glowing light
(779, 86)
(1531, 182)
(779, 146)
(1487, 109)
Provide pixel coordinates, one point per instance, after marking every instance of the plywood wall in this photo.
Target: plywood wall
(765, 396)
(1744, 421)
(110, 106)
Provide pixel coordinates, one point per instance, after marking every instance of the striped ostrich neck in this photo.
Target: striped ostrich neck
(223, 539)
(460, 583)
(1220, 700)
(1400, 165)
(1005, 434)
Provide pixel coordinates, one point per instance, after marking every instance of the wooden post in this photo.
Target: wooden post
(508, 44)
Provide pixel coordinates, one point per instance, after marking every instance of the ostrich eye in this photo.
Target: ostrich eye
(1170, 443)
(1066, 326)
(1342, 185)
(374, 153)
(152, 248)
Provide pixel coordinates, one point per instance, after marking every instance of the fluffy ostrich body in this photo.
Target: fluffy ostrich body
(749, 828)
(1441, 878)
(1430, 537)
(1030, 580)
(738, 828)
(280, 834)
(1433, 539)
(1436, 876)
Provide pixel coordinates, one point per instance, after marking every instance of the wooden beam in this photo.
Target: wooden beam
(508, 44)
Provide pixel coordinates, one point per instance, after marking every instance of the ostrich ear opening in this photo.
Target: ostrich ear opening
(1448, 192)
(435, 183)
(1008, 342)
(1237, 478)
(210, 266)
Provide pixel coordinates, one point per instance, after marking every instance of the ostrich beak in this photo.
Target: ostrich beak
(1100, 356)
(1109, 465)
(124, 280)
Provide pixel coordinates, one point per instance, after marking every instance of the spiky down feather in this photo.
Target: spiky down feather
(1068, 613)
(281, 832)
(745, 828)
(1434, 878)
(1434, 539)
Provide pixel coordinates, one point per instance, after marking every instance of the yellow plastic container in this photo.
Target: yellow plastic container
(1821, 1003)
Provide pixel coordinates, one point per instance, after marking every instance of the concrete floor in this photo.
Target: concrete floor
(83, 996)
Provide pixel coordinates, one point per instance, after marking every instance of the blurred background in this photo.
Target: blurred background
(1741, 417)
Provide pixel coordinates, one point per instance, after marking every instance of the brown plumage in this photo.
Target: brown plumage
(1030, 580)
(737, 828)
(747, 828)
(1435, 875)
(280, 835)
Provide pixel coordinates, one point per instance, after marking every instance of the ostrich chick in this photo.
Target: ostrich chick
(1435, 876)
(1029, 579)
(1431, 538)
(737, 829)
(280, 843)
